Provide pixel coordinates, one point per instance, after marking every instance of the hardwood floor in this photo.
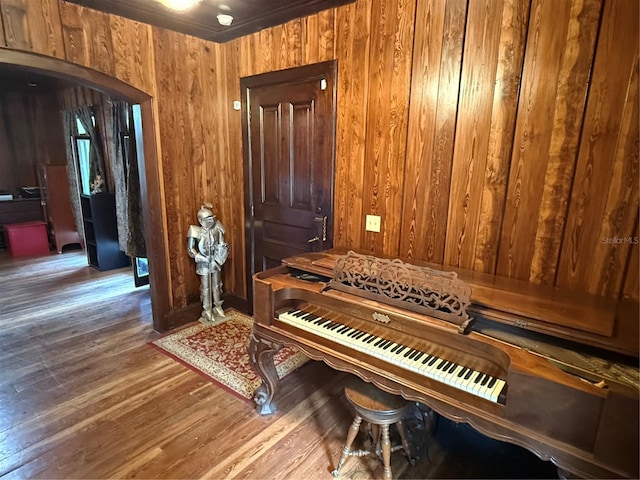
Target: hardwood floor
(83, 395)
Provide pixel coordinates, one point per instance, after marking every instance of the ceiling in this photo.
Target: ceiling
(249, 16)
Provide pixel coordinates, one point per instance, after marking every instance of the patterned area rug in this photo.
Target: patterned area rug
(220, 353)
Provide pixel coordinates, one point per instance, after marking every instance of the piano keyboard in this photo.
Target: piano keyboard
(423, 363)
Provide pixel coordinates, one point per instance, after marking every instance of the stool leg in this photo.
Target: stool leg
(375, 436)
(405, 444)
(386, 452)
(351, 436)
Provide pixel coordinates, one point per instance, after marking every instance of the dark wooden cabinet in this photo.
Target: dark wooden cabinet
(101, 232)
(59, 210)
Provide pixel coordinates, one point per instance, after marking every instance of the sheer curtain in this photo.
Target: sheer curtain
(127, 182)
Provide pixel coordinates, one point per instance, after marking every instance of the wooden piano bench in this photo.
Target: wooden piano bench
(380, 410)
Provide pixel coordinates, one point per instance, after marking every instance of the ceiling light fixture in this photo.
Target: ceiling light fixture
(180, 4)
(224, 19)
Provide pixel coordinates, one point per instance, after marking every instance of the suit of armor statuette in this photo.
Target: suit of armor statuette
(207, 246)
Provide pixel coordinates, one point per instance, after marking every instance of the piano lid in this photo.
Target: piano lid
(579, 317)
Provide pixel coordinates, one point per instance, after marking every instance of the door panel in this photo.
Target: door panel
(288, 140)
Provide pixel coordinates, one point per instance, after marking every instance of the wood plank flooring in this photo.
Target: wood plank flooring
(83, 395)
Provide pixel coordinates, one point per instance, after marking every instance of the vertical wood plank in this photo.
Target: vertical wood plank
(74, 33)
(132, 53)
(233, 173)
(15, 24)
(621, 207)
(607, 158)
(571, 99)
(555, 78)
(172, 90)
(33, 26)
(480, 60)
(386, 132)
(435, 83)
(353, 28)
(505, 100)
(3, 38)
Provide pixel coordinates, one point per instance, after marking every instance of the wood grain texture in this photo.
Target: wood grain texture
(515, 17)
(132, 53)
(479, 67)
(554, 82)
(387, 110)
(33, 26)
(30, 136)
(181, 205)
(607, 158)
(3, 39)
(15, 24)
(425, 132)
(434, 91)
(353, 43)
(570, 102)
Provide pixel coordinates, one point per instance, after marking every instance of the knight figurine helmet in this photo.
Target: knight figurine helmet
(205, 212)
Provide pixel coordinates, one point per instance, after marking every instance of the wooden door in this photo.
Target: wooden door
(289, 150)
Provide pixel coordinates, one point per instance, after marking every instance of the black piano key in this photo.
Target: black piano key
(479, 377)
(492, 382)
(419, 356)
(485, 380)
(462, 372)
(468, 374)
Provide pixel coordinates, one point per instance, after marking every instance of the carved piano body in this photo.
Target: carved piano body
(569, 367)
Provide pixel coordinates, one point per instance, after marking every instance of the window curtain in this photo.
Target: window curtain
(96, 157)
(127, 182)
(69, 125)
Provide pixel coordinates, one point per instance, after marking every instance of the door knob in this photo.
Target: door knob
(314, 239)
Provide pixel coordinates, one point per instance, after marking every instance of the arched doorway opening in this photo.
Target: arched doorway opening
(150, 176)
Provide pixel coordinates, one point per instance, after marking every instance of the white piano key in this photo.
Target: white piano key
(429, 364)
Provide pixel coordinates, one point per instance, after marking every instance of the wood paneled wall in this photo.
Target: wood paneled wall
(30, 136)
(497, 135)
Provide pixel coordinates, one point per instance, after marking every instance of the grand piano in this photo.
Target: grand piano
(549, 370)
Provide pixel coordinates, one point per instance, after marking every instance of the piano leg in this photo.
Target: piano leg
(261, 352)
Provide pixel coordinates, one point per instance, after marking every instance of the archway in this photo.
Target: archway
(150, 177)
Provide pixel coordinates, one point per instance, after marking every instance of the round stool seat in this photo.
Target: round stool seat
(380, 410)
(374, 405)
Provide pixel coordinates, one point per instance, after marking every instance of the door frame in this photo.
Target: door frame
(150, 191)
(302, 74)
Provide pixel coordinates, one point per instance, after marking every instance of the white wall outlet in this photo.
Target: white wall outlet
(372, 223)
(237, 105)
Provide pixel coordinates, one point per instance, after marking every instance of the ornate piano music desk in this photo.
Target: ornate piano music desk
(539, 367)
